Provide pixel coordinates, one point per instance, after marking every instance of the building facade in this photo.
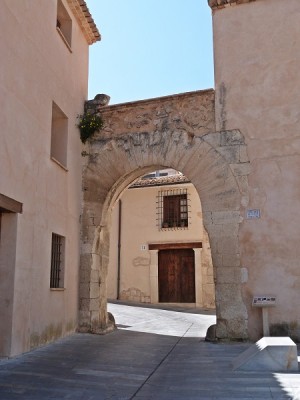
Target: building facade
(238, 145)
(43, 86)
(159, 249)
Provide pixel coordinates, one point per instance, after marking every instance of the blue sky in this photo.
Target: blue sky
(150, 48)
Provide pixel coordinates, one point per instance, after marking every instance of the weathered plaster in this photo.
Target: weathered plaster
(51, 333)
(141, 262)
(134, 294)
(257, 62)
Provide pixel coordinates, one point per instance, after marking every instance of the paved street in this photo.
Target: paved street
(154, 355)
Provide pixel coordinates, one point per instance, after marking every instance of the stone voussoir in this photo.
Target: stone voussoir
(226, 217)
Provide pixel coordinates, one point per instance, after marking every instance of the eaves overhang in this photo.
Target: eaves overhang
(215, 4)
(85, 20)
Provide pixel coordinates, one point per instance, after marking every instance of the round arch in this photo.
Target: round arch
(212, 163)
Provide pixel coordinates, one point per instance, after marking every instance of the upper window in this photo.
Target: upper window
(59, 136)
(57, 261)
(64, 23)
(173, 209)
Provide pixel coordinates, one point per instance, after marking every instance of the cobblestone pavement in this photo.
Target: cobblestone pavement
(156, 354)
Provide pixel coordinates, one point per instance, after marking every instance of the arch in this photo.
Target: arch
(178, 132)
(213, 164)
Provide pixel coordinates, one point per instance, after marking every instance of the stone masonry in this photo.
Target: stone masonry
(178, 132)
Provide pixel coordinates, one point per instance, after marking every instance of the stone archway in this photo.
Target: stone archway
(183, 139)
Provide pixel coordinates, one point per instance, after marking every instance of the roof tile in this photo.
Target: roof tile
(85, 20)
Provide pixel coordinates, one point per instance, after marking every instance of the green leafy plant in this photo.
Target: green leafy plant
(88, 124)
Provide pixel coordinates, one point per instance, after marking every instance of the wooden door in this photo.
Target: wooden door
(176, 276)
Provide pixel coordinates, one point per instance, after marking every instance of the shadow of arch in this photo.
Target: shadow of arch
(212, 164)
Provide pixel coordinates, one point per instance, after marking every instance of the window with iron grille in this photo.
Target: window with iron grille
(173, 209)
(57, 261)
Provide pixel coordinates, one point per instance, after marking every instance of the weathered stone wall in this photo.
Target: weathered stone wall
(208, 281)
(135, 295)
(182, 113)
(178, 132)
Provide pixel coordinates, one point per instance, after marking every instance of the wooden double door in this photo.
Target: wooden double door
(176, 276)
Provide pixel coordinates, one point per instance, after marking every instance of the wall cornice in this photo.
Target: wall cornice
(215, 4)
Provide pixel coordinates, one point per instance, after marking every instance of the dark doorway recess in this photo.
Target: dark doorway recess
(176, 276)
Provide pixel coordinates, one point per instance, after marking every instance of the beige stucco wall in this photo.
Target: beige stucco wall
(36, 69)
(139, 228)
(257, 57)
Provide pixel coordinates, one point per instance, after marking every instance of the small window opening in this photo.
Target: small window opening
(59, 136)
(64, 23)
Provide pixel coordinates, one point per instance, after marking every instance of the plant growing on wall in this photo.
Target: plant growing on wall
(88, 124)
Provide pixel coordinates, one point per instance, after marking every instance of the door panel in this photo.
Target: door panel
(176, 276)
(188, 278)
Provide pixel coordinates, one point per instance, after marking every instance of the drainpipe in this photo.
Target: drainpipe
(119, 248)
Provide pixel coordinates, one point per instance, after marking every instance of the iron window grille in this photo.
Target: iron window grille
(57, 261)
(173, 209)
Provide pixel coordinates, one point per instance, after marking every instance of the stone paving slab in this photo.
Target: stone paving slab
(138, 361)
